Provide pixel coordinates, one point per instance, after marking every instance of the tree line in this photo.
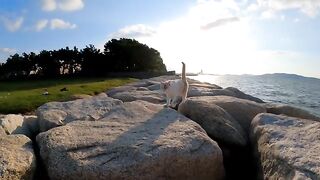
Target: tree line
(119, 55)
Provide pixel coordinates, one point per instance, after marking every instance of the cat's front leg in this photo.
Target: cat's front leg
(168, 102)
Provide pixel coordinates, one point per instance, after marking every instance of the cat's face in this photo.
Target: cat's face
(164, 85)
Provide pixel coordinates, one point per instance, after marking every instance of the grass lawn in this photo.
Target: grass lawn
(26, 96)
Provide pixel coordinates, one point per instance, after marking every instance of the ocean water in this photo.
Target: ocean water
(299, 91)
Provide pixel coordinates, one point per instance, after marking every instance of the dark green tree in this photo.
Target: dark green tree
(132, 56)
(48, 65)
(94, 63)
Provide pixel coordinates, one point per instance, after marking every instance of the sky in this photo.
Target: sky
(220, 37)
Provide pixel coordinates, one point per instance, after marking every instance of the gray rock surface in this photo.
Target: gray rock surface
(195, 91)
(219, 124)
(2, 132)
(243, 111)
(290, 111)
(55, 114)
(18, 124)
(17, 159)
(146, 95)
(135, 140)
(287, 147)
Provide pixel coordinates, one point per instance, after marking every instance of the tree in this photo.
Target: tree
(94, 63)
(130, 55)
(48, 65)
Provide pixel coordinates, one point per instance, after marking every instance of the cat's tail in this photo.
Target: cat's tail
(183, 75)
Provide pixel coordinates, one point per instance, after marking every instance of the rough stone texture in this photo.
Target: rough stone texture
(135, 140)
(2, 132)
(17, 159)
(290, 111)
(205, 85)
(215, 121)
(243, 111)
(113, 91)
(146, 95)
(287, 147)
(80, 96)
(18, 124)
(195, 91)
(54, 114)
(154, 87)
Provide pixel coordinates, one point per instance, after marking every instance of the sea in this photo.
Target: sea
(291, 89)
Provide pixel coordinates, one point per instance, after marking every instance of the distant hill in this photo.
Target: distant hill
(288, 76)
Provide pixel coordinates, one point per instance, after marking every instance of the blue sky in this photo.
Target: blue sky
(222, 37)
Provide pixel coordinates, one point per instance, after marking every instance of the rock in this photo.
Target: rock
(18, 124)
(215, 121)
(2, 132)
(17, 158)
(135, 140)
(287, 147)
(290, 111)
(113, 91)
(205, 85)
(243, 111)
(242, 95)
(80, 96)
(142, 89)
(154, 87)
(195, 91)
(54, 114)
(149, 96)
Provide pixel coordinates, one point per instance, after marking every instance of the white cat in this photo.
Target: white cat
(175, 89)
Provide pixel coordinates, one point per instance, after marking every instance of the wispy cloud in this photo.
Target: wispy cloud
(219, 22)
(134, 31)
(7, 50)
(64, 5)
(12, 25)
(309, 7)
(41, 24)
(61, 24)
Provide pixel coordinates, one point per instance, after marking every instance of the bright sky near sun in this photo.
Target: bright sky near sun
(220, 37)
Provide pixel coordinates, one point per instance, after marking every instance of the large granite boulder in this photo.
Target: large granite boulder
(195, 91)
(17, 158)
(55, 114)
(18, 124)
(134, 140)
(287, 147)
(2, 132)
(243, 111)
(219, 124)
(145, 95)
(290, 111)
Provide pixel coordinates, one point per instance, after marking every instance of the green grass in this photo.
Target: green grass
(26, 96)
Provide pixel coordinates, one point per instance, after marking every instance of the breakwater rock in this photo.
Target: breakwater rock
(127, 133)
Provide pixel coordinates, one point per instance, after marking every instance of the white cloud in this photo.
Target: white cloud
(64, 5)
(308, 7)
(61, 24)
(12, 25)
(49, 5)
(7, 50)
(269, 14)
(134, 31)
(220, 22)
(41, 24)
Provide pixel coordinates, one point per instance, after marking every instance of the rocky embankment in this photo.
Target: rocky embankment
(127, 133)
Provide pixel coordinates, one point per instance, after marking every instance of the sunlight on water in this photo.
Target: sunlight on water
(296, 91)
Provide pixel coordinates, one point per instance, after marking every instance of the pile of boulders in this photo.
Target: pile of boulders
(127, 133)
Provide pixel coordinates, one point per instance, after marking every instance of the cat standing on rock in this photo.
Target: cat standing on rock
(175, 89)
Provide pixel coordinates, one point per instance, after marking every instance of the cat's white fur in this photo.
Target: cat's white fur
(175, 89)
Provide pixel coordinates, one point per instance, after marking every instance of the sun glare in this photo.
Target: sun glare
(220, 47)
